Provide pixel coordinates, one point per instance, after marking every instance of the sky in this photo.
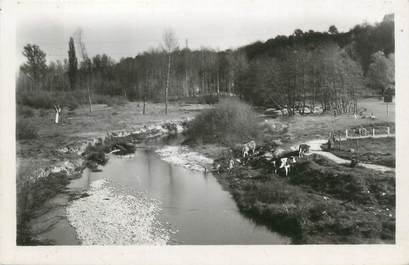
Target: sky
(125, 28)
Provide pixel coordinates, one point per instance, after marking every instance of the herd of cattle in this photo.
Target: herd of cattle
(280, 160)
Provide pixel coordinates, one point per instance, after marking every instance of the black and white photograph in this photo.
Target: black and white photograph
(249, 122)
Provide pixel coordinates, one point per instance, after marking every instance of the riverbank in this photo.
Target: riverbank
(46, 165)
(321, 202)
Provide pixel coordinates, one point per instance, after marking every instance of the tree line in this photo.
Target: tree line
(330, 69)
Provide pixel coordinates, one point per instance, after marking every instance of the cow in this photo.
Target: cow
(302, 149)
(275, 166)
(231, 164)
(285, 163)
(250, 146)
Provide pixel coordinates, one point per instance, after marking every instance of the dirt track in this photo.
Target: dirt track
(315, 148)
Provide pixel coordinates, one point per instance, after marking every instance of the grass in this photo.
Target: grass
(380, 151)
(231, 121)
(302, 128)
(30, 196)
(320, 203)
(26, 129)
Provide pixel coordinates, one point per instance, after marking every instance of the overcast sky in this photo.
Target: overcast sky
(125, 28)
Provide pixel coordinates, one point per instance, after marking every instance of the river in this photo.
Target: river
(184, 207)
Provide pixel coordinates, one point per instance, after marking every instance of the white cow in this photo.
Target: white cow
(250, 146)
(287, 163)
(231, 164)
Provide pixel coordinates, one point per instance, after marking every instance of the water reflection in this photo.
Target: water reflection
(193, 202)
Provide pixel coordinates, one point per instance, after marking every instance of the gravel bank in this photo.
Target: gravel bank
(107, 218)
(183, 156)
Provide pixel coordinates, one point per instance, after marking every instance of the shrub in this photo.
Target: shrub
(211, 99)
(25, 111)
(46, 100)
(230, 122)
(43, 113)
(109, 100)
(71, 99)
(25, 129)
(38, 100)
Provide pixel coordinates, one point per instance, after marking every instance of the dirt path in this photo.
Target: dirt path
(315, 148)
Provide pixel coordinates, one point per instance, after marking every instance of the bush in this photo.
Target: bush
(71, 99)
(25, 111)
(43, 113)
(37, 100)
(109, 100)
(25, 129)
(46, 100)
(231, 121)
(211, 99)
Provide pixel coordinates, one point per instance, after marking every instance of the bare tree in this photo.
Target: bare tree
(78, 36)
(171, 44)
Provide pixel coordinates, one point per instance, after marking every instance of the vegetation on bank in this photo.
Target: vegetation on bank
(25, 129)
(31, 195)
(67, 99)
(320, 202)
(231, 121)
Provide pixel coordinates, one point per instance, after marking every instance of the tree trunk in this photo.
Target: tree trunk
(89, 98)
(144, 103)
(167, 86)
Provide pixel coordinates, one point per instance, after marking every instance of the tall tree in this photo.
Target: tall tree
(381, 72)
(35, 67)
(171, 44)
(87, 63)
(73, 63)
(333, 30)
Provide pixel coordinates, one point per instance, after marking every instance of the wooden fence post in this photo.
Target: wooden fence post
(388, 131)
(373, 132)
(346, 133)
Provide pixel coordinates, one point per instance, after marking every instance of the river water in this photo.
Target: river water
(192, 202)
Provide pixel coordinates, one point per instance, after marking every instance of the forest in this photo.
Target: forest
(330, 69)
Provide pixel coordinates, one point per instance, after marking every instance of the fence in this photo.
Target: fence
(364, 133)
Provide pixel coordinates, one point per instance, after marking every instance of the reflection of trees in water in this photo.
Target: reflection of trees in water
(150, 175)
(173, 192)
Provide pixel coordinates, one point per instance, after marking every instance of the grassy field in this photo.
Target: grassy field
(379, 151)
(298, 129)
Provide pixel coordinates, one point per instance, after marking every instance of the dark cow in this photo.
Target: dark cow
(303, 149)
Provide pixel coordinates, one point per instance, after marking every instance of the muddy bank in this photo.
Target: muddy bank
(38, 212)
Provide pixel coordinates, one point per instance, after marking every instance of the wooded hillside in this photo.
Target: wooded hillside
(331, 69)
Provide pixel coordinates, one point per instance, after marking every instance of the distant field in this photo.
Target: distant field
(378, 108)
(303, 128)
